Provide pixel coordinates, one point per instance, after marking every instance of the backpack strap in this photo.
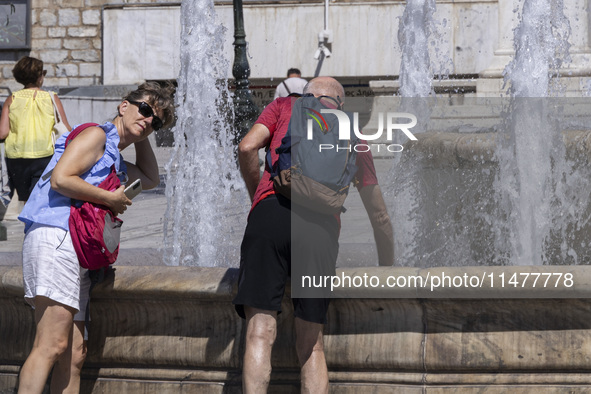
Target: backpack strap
(284, 151)
(74, 133)
(270, 161)
(286, 88)
(70, 137)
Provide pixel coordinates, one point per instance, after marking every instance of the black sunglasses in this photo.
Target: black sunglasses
(146, 111)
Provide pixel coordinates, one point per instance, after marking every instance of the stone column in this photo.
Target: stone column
(504, 49)
(578, 72)
(491, 79)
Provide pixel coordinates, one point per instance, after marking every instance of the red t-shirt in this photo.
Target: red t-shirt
(276, 118)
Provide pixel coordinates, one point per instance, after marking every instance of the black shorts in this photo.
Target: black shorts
(23, 174)
(266, 256)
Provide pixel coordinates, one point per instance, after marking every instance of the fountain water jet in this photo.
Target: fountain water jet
(530, 149)
(201, 175)
(413, 36)
(416, 77)
(473, 206)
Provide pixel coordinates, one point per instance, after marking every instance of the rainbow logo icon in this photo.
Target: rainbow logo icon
(319, 119)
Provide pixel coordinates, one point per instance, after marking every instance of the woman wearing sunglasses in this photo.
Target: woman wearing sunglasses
(54, 283)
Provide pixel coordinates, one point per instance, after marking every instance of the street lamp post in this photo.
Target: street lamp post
(245, 110)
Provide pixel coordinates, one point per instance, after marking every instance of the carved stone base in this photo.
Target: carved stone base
(174, 330)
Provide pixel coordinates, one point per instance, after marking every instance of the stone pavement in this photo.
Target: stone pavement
(142, 234)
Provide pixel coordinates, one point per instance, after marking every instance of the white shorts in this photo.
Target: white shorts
(51, 269)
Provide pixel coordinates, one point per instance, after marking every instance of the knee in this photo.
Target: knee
(78, 356)
(261, 333)
(54, 350)
(261, 328)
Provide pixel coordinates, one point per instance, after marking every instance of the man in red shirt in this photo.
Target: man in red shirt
(265, 262)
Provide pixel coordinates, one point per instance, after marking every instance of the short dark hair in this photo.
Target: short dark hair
(293, 71)
(27, 70)
(159, 96)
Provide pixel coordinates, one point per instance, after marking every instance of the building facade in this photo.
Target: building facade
(88, 43)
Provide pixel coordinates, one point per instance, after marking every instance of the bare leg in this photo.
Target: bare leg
(261, 330)
(310, 350)
(66, 373)
(54, 327)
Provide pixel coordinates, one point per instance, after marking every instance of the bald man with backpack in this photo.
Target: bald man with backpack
(283, 233)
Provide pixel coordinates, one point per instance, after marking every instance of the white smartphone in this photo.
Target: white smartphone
(134, 189)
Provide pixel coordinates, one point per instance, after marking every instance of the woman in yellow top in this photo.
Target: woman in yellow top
(27, 125)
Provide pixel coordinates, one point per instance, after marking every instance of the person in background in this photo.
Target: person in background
(293, 85)
(269, 238)
(27, 125)
(54, 283)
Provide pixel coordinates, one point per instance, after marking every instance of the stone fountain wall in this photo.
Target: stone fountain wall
(174, 330)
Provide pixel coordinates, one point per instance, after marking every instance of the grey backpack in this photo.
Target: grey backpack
(315, 168)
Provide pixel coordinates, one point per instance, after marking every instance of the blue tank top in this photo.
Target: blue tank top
(48, 207)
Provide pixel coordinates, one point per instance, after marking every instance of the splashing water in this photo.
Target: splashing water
(413, 35)
(445, 213)
(531, 152)
(541, 46)
(416, 77)
(201, 173)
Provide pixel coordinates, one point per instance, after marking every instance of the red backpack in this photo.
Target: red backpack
(95, 230)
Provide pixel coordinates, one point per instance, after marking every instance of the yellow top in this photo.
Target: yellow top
(31, 125)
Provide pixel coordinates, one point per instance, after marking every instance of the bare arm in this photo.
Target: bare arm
(4, 120)
(79, 157)
(62, 112)
(375, 206)
(248, 156)
(145, 167)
